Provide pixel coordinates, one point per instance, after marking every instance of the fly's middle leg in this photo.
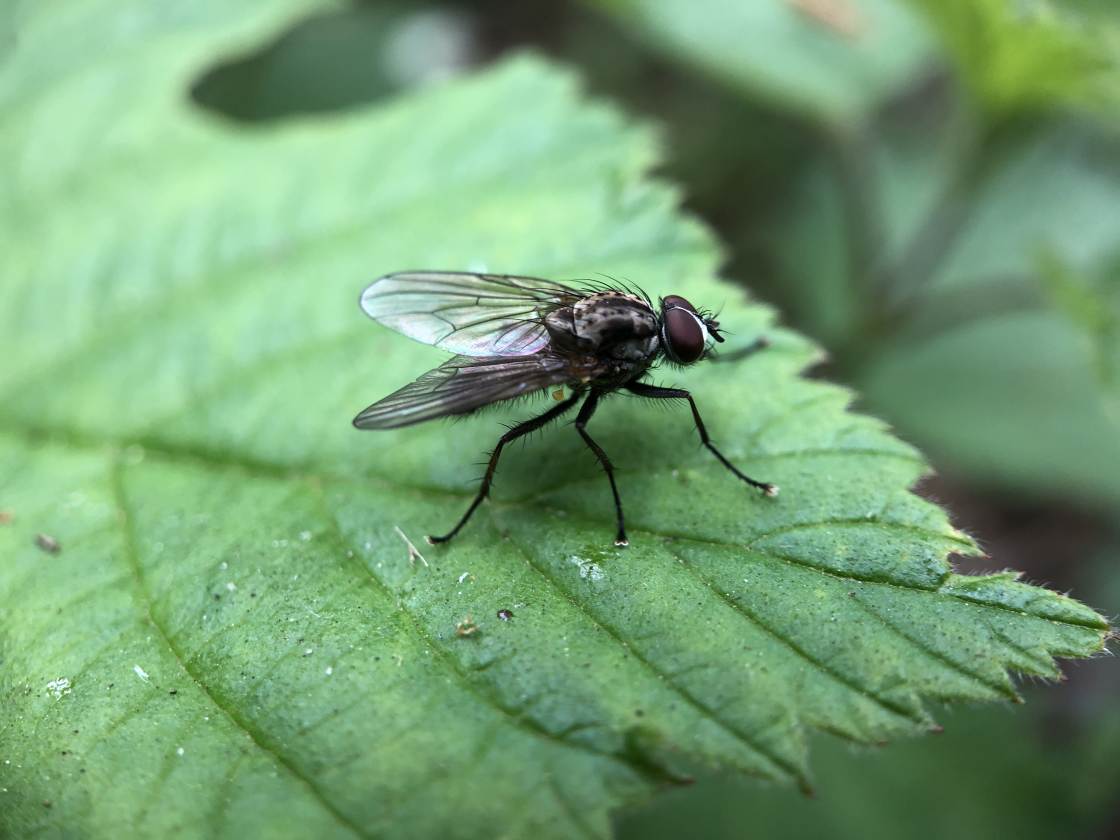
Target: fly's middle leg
(585, 412)
(517, 431)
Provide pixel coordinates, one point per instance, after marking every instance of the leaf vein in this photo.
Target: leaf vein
(132, 558)
(666, 678)
(482, 691)
(837, 675)
(946, 660)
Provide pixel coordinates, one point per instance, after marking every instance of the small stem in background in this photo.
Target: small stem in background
(889, 285)
(902, 278)
(852, 156)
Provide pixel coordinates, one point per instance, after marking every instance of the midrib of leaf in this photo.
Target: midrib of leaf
(512, 716)
(261, 741)
(144, 600)
(212, 461)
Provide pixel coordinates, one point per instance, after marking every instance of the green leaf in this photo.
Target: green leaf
(228, 634)
(833, 60)
(1031, 56)
(999, 350)
(1006, 775)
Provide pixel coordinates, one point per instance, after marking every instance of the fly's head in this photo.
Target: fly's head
(685, 331)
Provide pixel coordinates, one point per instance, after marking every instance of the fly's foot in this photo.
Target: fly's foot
(620, 541)
(770, 490)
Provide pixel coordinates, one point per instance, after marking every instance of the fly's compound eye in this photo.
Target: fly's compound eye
(684, 333)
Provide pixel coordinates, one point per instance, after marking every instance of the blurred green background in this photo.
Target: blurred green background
(932, 191)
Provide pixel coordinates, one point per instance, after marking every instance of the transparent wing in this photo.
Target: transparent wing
(461, 385)
(469, 314)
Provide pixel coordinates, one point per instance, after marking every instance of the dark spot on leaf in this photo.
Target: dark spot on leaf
(505, 615)
(47, 543)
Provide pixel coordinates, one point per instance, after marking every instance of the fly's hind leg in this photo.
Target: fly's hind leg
(585, 412)
(520, 430)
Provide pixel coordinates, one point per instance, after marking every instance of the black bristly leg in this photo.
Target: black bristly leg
(585, 412)
(658, 393)
(517, 431)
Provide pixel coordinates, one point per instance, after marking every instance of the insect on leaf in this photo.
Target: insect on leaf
(248, 640)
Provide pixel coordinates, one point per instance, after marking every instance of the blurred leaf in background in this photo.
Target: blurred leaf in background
(342, 58)
(923, 240)
(959, 785)
(832, 61)
(1034, 55)
(991, 329)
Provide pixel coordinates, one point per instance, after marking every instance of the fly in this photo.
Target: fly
(514, 336)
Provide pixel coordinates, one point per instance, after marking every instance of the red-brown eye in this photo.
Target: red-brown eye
(684, 334)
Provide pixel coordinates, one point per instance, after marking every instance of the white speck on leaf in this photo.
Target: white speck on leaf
(329, 670)
(588, 569)
(231, 586)
(223, 565)
(464, 576)
(180, 751)
(141, 673)
(59, 687)
(305, 535)
(308, 651)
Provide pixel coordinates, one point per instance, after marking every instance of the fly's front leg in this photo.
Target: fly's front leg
(657, 393)
(585, 412)
(513, 434)
(760, 343)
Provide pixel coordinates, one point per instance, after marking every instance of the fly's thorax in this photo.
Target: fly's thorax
(621, 324)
